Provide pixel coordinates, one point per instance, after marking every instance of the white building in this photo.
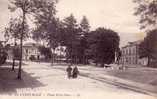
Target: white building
(60, 51)
(29, 50)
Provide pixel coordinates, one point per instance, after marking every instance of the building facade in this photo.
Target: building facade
(30, 50)
(130, 54)
(60, 51)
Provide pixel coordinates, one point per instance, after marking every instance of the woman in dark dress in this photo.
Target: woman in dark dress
(75, 72)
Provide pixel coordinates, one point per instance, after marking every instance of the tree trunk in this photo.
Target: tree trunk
(84, 60)
(96, 62)
(21, 43)
(13, 65)
(148, 64)
(52, 59)
(60, 57)
(102, 64)
(71, 56)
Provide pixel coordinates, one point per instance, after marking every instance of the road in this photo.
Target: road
(43, 80)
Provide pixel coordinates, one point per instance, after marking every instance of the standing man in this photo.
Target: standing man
(69, 70)
(38, 58)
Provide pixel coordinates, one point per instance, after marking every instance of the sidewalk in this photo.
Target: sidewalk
(109, 76)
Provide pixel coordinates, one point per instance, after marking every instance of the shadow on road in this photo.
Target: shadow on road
(9, 63)
(9, 82)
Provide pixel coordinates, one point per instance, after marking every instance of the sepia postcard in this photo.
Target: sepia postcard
(78, 49)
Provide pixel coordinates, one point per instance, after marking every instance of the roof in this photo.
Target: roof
(133, 43)
(31, 45)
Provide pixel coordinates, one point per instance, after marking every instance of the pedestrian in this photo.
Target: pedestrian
(75, 72)
(38, 59)
(69, 70)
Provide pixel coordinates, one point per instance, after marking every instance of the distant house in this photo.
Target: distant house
(60, 51)
(130, 54)
(30, 50)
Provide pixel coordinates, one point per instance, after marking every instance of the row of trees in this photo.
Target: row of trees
(81, 43)
(147, 11)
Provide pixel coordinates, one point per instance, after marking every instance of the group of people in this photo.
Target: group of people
(72, 72)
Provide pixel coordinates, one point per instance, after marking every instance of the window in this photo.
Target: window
(129, 51)
(134, 50)
(122, 52)
(26, 50)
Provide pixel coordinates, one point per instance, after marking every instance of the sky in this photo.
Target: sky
(113, 14)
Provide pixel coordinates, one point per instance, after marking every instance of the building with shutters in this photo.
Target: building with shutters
(130, 54)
